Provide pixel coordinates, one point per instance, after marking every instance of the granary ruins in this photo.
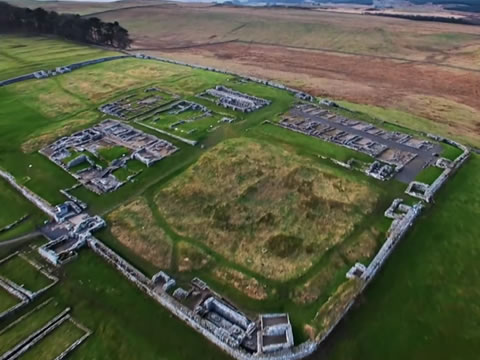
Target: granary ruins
(134, 105)
(396, 153)
(78, 154)
(234, 100)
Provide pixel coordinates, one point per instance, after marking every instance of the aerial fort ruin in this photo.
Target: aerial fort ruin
(95, 155)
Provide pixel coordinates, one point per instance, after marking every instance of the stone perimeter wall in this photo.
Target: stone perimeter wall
(30, 195)
(71, 67)
(183, 313)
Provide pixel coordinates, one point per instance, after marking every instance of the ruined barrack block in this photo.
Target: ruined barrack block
(396, 154)
(83, 145)
(235, 100)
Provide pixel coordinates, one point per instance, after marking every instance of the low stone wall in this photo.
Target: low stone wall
(79, 65)
(179, 138)
(31, 196)
(77, 343)
(185, 314)
(17, 289)
(17, 79)
(23, 300)
(297, 93)
(397, 231)
(35, 337)
(71, 67)
(432, 189)
(15, 223)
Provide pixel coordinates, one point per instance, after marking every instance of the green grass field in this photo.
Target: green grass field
(426, 296)
(112, 153)
(18, 206)
(7, 300)
(55, 343)
(24, 274)
(429, 175)
(28, 325)
(22, 55)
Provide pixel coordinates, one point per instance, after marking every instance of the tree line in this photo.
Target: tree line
(415, 17)
(73, 27)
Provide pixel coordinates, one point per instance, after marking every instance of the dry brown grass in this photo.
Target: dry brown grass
(319, 283)
(190, 257)
(457, 120)
(363, 247)
(332, 310)
(48, 97)
(247, 285)
(360, 79)
(263, 207)
(97, 83)
(134, 226)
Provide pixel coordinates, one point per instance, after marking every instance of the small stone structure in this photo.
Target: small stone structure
(275, 333)
(164, 280)
(426, 192)
(380, 171)
(64, 248)
(356, 270)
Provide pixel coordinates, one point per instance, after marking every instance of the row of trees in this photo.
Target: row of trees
(452, 20)
(72, 27)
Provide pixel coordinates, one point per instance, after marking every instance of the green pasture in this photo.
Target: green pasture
(18, 331)
(429, 175)
(7, 300)
(24, 274)
(426, 295)
(21, 55)
(18, 206)
(55, 343)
